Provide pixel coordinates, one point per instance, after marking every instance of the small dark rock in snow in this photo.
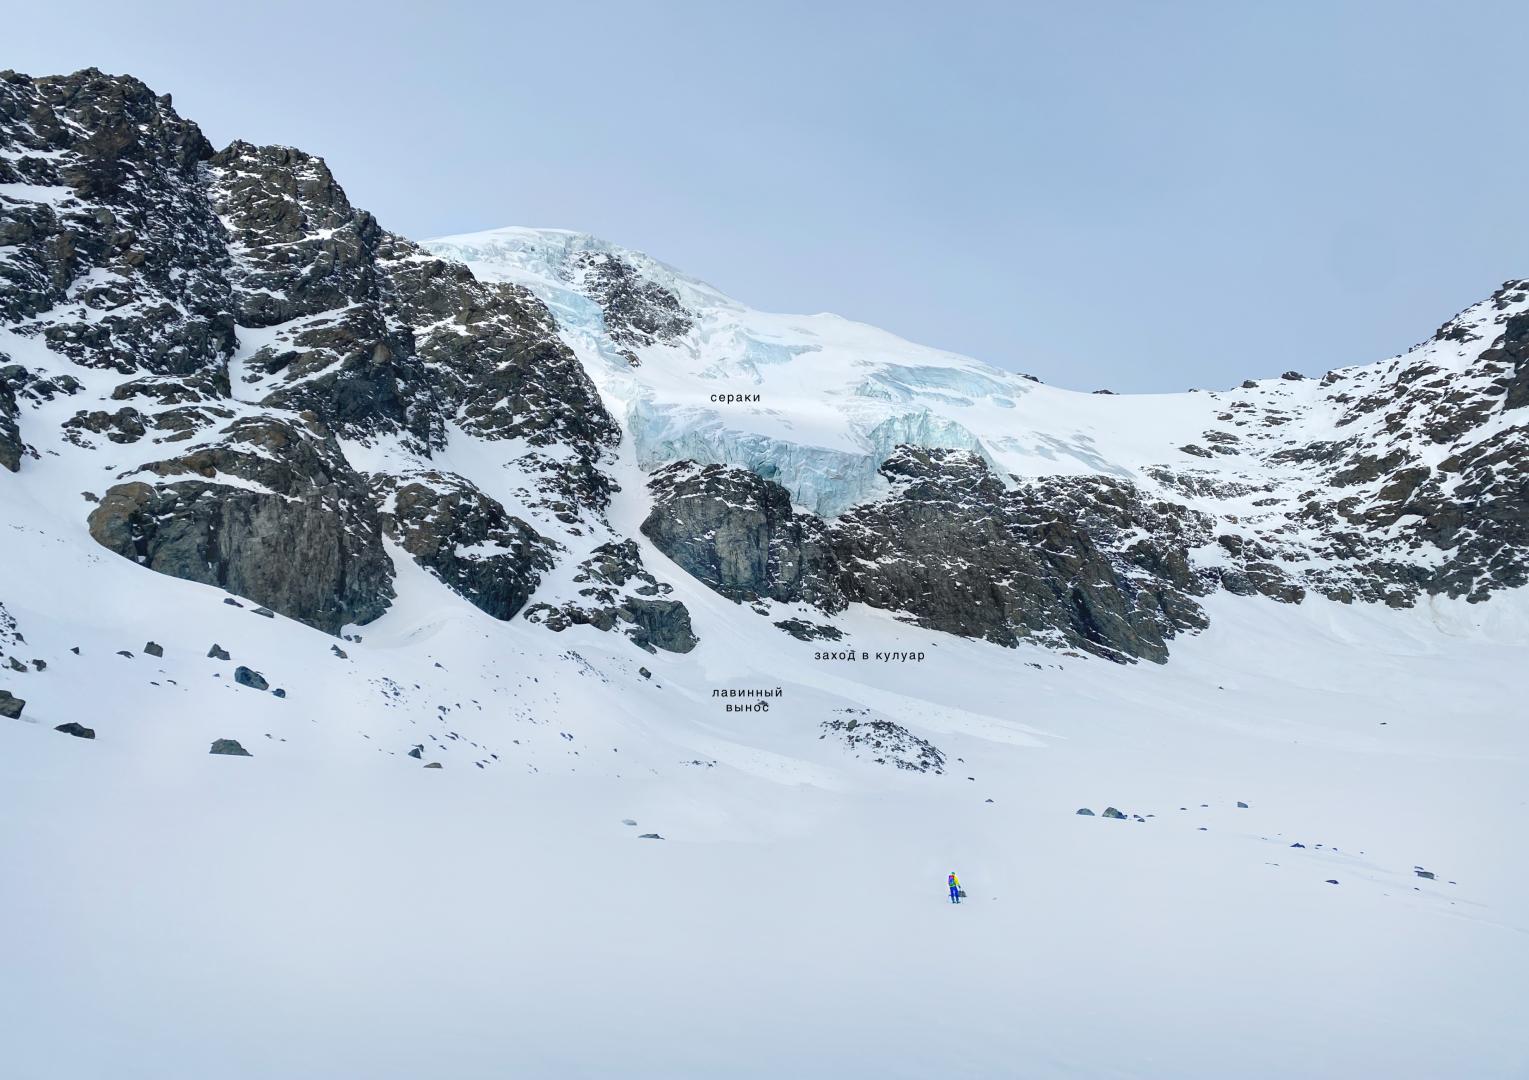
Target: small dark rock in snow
(75, 649)
(418, 751)
(628, 821)
(124, 652)
(341, 653)
(1425, 874)
(1086, 812)
(40, 665)
(1298, 845)
(11, 705)
(231, 602)
(1111, 812)
(434, 765)
(1242, 805)
(650, 836)
(987, 800)
(1332, 881)
(645, 673)
(246, 677)
(1294, 376)
(217, 652)
(229, 747)
(279, 692)
(14, 664)
(153, 648)
(267, 612)
(79, 731)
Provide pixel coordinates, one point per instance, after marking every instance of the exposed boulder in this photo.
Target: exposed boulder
(153, 648)
(11, 706)
(229, 747)
(738, 533)
(79, 731)
(292, 527)
(247, 677)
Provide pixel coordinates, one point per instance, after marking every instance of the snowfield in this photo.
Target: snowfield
(329, 908)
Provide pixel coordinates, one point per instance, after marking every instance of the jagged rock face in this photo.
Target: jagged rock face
(109, 234)
(616, 591)
(637, 311)
(1082, 561)
(272, 327)
(957, 551)
(378, 337)
(270, 511)
(1426, 488)
(465, 538)
(739, 534)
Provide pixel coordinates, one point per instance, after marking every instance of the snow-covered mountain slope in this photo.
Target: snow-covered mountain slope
(528, 595)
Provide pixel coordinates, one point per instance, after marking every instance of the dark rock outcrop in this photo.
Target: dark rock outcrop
(1087, 562)
(465, 538)
(737, 533)
(11, 706)
(230, 747)
(292, 528)
(79, 731)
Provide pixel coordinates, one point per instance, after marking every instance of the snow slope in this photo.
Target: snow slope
(329, 908)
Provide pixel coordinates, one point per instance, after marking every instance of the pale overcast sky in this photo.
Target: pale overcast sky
(1144, 196)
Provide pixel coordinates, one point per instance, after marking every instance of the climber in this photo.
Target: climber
(955, 888)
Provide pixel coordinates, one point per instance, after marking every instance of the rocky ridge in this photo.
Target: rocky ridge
(310, 363)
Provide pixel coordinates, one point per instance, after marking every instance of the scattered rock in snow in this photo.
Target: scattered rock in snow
(14, 664)
(434, 765)
(231, 602)
(645, 673)
(1425, 874)
(628, 821)
(153, 648)
(1332, 881)
(11, 705)
(267, 612)
(79, 731)
(75, 649)
(1111, 812)
(650, 836)
(229, 747)
(279, 692)
(341, 653)
(124, 652)
(1298, 845)
(1086, 812)
(246, 677)
(217, 652)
